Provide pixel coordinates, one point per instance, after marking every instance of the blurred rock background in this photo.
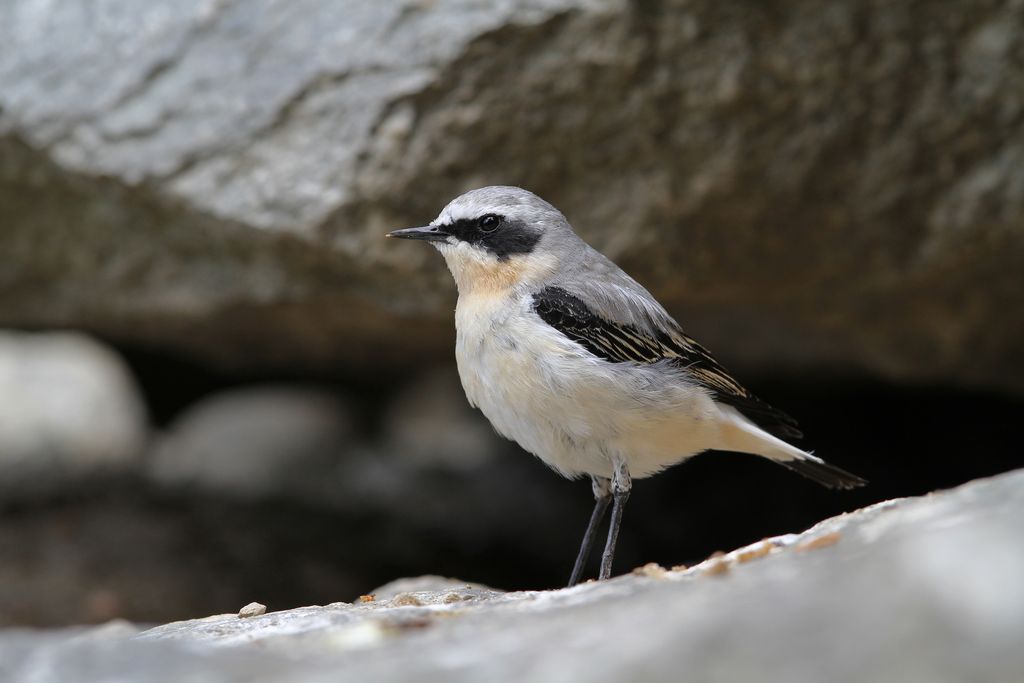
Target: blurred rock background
(220, 384)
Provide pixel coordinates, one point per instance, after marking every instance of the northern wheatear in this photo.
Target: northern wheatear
(577, 363)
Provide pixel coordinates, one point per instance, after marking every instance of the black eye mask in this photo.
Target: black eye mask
(499, 235)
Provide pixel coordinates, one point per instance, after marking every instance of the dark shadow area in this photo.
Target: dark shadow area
(123, 548)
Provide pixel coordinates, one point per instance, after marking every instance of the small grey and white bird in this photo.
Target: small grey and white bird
(572, 359)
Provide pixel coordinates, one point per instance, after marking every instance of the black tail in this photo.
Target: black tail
(825, 474)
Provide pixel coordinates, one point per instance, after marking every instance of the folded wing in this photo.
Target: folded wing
(618, 342)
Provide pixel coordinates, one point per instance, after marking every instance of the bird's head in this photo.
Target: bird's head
(495, 238)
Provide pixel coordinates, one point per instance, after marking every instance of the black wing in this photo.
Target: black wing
(619, 343)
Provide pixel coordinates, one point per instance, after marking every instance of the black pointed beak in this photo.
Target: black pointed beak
(430, 233)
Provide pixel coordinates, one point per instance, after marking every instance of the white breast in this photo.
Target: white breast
(565, 406)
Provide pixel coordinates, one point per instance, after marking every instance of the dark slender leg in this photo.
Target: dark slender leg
(602, 496)
(600, 507)
(621, 486)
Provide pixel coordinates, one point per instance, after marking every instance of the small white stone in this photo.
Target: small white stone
(253, 609)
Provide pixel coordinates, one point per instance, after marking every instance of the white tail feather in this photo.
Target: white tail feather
(740, 434)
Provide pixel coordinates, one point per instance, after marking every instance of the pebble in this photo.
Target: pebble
(253, 609)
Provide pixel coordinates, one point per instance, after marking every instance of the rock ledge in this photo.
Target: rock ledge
(926, 589)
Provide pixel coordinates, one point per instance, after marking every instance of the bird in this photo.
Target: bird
(571, 358)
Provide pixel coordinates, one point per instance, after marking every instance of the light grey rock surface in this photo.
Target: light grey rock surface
(830, 186)
(69, 410)
(924, 589)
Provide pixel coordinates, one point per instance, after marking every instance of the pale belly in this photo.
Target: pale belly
(574, 412)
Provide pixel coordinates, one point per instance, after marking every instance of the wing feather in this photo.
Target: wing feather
(618, 342)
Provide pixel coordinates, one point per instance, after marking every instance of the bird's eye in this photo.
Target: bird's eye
(489, 223)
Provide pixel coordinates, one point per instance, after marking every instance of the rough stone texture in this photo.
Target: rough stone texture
(829, 186)
(69, 410)
(922, 589)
